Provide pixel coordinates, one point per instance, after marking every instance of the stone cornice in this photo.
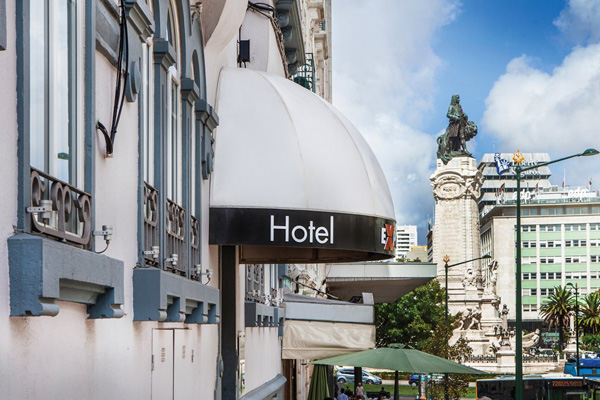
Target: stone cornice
(164, 53)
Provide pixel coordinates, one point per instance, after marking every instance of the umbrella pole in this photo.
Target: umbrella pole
(396, 394)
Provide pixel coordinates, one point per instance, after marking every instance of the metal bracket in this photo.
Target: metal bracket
(173, 260)
(45, 209)
(106, 231)
(154, 252)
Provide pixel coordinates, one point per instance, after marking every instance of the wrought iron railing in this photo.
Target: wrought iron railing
(540, 358)
(151, 234)
(486, 358)
(195, 247)
(176, 238)
(305, 76)
(70, 217)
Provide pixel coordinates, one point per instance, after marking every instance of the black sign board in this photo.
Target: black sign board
(364, 237)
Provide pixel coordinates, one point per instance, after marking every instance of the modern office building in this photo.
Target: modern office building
(560, 244)
(406, 237)
(499, 179)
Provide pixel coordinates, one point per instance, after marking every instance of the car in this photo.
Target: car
(344, 375)
(414, 379)
(433, 378)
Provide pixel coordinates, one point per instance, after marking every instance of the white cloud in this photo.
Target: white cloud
(579, 21)
(556, 112)
(384, 72)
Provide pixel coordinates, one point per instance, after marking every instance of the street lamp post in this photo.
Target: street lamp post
(518, 158)
(446, 268)
(576, 288)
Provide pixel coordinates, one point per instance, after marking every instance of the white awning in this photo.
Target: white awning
(317, 339)
(293, 180)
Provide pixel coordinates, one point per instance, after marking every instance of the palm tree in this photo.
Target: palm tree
(590, 310)
(555, 310)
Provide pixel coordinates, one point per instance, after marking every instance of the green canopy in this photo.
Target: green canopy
(318, 384)
(400, 358)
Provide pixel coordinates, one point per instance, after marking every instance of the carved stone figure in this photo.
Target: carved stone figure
(475, 319)
(469, 279)
(453, 142)
(490, 278)
(531, 339)
(470, 319)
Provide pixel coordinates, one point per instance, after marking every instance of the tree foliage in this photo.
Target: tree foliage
(412, 318)
(418, 319)
(590, 313)
(555, 310)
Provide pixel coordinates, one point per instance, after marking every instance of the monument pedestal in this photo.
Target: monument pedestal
(456, 237)
(505, 361)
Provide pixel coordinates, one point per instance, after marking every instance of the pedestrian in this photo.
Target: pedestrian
(360, 391)
(342, 395)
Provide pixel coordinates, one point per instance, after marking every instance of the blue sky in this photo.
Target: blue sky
(528, 73)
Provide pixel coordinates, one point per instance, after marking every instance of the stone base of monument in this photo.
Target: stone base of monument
(506, 361)
(478, 340)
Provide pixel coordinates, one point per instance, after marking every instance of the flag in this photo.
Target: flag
(537, 187)
(502, 188)
(502, 165)
(590, 183)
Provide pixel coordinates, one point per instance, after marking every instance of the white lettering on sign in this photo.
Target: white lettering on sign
(301, 234)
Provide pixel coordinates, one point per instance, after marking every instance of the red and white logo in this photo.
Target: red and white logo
(388, 237)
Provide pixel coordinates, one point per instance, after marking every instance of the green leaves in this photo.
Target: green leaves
(412, 318)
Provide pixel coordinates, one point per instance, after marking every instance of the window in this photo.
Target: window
(529, 307)
(546, 260)
(594, 242)
(54, 111)
(172, 129)
(255, 282)
(574, 227)
(56, 89)
(595, 227)
(546, 291)
(528, 228)
(543, 275)
(529, 275)
(595, 258)
(549, 228)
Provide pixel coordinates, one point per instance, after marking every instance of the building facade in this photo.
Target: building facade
(560, 245)
(500, 183)
(406, 237)
(122, 274)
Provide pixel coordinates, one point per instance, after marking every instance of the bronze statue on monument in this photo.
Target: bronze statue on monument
(453, 142)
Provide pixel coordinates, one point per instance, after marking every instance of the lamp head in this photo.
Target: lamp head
(590, 152)
(486, 257)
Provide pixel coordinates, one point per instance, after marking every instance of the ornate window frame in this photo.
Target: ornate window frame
(170, 259)
(51, 257)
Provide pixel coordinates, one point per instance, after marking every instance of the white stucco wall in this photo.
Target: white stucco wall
(263, 356)
(70, 356)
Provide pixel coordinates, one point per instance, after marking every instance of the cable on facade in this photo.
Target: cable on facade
(261, 8)
(120, 87)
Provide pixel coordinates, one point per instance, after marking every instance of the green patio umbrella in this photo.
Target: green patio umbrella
(398, 357)
(318, 384)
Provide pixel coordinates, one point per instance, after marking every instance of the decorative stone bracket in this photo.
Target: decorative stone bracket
(261, 315)
(43, 271)
(165, 297)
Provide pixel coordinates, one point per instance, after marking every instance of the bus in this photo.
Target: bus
(587, 367)
(535, 387)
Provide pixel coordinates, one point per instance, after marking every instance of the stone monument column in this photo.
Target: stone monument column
(456, 186)
(456, 234)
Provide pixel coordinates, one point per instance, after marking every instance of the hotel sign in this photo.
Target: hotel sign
(302, 229)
